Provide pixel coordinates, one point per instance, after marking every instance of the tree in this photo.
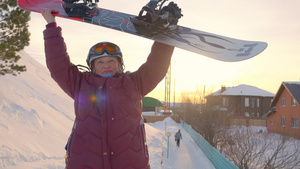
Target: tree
(14, 36)
(247, 148)
(283, 153)
(252, 149)
(211, 124)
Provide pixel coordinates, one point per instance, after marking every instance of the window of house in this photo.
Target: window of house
(225, 101)
(271, 122)
(253, 102)
(257, 102)
(283, 102)
(295, 122)
(246, 102)
(283, 121)
(293, 101)
(257, 114)
(247, 114)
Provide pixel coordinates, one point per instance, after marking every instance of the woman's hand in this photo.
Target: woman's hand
(48, 15)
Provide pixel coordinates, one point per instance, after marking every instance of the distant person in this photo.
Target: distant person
(108, 131)
(178, 137)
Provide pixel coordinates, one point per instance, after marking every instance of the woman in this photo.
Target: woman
(108, 131)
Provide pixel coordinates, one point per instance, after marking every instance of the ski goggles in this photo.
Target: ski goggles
(109, 48)
(103, 49)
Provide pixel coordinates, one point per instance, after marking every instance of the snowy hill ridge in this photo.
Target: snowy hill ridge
(36, 118)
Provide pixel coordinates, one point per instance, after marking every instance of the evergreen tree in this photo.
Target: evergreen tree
(14, 36)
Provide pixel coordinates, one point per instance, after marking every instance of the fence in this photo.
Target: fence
(248, 122)
(215, 157)
(153, 119)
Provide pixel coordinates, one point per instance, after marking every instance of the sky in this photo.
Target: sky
(273, 21)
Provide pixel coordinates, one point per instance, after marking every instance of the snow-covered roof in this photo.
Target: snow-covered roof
(243, 90)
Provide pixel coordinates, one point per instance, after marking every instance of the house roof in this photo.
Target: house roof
(151, 102)
(292, 87)
(243, 90)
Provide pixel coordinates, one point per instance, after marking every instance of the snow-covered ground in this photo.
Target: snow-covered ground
(188, 155)
(36, 118)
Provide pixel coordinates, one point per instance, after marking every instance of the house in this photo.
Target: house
(285, 114)
(243, 101)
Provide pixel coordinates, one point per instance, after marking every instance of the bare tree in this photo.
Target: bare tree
(187, 110)
(246, 148)
(251, 149)
(284, 152)
(211, 124)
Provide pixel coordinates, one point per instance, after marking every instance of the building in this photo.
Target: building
(285, 114)
(150, 104)
(152, 110)
(243, 101)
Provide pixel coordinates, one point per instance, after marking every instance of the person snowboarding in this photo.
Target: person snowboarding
(108, 131)
(178, 137)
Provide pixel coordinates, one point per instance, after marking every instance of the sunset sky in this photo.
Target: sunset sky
(276, 22)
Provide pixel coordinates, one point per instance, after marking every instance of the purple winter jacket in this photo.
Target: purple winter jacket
(108, 131)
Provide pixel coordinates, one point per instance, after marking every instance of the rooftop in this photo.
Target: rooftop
(242, 90)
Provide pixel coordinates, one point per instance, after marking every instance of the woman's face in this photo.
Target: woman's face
(106, 64)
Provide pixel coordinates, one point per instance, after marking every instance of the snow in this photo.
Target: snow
(36, 118)
(188, 155)
(243, 90)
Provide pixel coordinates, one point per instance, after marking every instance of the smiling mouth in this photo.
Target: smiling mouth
(107, 71)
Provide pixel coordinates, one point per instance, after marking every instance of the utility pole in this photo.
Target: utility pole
(175, 112)
(167, 92)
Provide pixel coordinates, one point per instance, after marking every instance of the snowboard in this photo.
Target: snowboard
(207, 44)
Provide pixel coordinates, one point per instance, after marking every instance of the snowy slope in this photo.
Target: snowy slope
(36, 118)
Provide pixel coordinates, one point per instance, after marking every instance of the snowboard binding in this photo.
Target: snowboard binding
(81, 10)
(155, 18)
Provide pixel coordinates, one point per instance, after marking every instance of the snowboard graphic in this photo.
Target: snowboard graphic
(211, 45)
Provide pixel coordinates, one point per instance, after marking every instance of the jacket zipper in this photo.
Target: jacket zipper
(143, 140)
(69, 149)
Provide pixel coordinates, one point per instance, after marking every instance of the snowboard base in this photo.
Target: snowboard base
(211, 45)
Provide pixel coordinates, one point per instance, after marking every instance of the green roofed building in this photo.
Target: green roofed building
(150, 103)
